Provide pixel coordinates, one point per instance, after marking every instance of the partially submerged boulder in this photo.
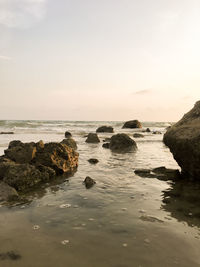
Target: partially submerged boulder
(25, 165)
(7, 193)
(68, 134)
(105, 129)
(92, 138)
(122, 143)
(132, 124)
(183, 140)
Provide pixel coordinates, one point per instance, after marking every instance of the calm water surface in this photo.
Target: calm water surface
(123, 221)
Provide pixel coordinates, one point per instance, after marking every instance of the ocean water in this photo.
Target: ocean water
(123, 221)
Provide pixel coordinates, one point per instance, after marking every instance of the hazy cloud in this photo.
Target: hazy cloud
(143, 92)
(5, 58)
(21, 13)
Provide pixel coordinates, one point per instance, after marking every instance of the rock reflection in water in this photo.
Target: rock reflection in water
(182, 200)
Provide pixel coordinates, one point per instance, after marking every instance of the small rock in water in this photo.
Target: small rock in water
(36, 227)
(124, 209)
(89, 182)
(93, 161)
(150, 219)
(142, 211)
(62, 206)
(132, 197)
(65, 242)
(147, 241)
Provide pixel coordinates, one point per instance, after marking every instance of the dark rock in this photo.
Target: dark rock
(21, 152)
(10, 255)
(138, 135)
(105, 129)
(160, 173)
(92, 138)
(7, 193)
(156, 132)
(93, 161)
(60, 157)
(183, 140)
(70, 142)
(132, 124)
(148, 130)
(145, 173)
(6, 132)
(122, 143)
(106, 145)
(89, 182)
(68, 135)
(23, 176)
(107, 139)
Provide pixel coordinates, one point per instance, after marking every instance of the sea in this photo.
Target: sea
(124, 220)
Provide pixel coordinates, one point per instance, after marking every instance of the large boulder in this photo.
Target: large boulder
(183, 140)
(132, 124)
(122, 143)
(105, 129)
(22, 172)
(92, 138)
(7, 193)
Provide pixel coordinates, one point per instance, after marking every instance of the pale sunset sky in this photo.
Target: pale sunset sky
(99, 59)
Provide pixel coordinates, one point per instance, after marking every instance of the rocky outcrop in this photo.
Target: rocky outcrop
(92, 138)
(25, 165)
(183, 140)
(70, 142)
(132, 124)
(122, 143)
(105, 129)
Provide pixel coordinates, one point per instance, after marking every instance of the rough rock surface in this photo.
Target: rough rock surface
(132, 124)
(7, 193)
(105, 129)
(89, 182)
(122, 143)
(70, 142)
(92, 138)
(183, 140)
(25, 165)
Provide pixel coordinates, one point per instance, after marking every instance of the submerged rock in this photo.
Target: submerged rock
(105, 129)
(183, 140)
(132, 124)
(122, 143)
(89, 182)
(92, 138)
(6, 132)
(138, 135)
(93, 161)
(70, 142)
(160, 173)
(106, 145)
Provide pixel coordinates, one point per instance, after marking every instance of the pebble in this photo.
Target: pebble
(36, 227)
(62, 206)
(147, 241)
(64, 242)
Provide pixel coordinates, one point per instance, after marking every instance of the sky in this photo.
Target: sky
(99, 59)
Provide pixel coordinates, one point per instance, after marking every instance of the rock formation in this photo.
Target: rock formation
(25, 165)
(105, 129)
(122, 143)
(183, 140)
(132, 124)
(92, 138)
